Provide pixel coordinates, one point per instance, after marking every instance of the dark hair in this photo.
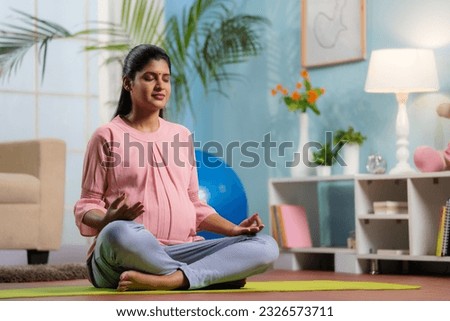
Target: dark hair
(135, 61)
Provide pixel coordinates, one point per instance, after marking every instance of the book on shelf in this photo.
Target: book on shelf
(290, 226)
(443, 236)
(390, 207)
(275, 229)
(440, 232)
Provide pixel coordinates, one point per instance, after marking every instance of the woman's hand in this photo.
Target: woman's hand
(251, 225)
(217, 224)
(119, 210)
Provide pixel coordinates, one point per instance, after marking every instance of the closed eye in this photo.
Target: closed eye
(153, 76)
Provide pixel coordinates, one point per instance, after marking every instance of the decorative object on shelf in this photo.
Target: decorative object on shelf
(351, 240)
(324, 158)
(402, 71)
(376, 164)
(333, 32)
(349, 141)
(374, 266)
(429, 159)
(299, 100)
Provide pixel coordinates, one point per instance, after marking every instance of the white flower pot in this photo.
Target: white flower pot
(350, 154)
(303, 168)
(323, 170)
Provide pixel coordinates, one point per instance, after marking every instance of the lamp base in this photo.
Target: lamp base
(402, 168)
(402, 131)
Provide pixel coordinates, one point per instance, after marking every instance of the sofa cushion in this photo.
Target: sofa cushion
(19, 188)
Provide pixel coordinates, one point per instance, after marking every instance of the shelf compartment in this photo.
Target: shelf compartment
(368, 191)
(427, 195)
(319, 258)
(329, 205)
(372, 235)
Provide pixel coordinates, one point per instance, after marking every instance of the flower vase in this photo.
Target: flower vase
(350, 153)
(303, 154)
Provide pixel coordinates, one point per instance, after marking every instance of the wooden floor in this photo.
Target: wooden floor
(433, 288)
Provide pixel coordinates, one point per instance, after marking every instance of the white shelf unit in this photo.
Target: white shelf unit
(305, 191)
(414, 232)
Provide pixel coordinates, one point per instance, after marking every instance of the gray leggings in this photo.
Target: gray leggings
(126, 245)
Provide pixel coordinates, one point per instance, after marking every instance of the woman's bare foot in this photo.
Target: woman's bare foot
(134, 280)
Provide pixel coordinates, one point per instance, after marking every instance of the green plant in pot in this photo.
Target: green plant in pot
(324, 158)
(349, 141)
(350, 136)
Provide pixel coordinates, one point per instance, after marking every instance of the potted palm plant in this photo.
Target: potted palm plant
(349, 141)
(202, 42)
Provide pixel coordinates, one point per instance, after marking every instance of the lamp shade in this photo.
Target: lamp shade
(402, 71)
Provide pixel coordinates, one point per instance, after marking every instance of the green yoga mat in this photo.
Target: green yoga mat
(269, 286)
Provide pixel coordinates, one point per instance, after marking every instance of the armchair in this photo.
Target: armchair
(32, 185)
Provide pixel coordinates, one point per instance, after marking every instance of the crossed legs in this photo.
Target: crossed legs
(128, 257)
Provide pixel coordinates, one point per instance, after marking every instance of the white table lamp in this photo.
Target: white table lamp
(402, 71)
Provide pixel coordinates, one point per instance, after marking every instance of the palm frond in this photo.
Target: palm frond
(139, 23)
(17, 39)
(209, 37)
(232, 41)
(141, 19)
(202, 42)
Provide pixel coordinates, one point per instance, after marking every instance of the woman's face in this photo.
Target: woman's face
(150, 90)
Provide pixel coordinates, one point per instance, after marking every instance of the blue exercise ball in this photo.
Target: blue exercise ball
(221, 188)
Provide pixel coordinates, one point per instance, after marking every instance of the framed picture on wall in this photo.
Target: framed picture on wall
(333, 32)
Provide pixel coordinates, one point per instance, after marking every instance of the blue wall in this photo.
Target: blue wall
(252, 112)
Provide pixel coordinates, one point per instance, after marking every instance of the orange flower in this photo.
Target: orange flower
(302, 97)
(312, 96)
(295, 95)
(304, 74)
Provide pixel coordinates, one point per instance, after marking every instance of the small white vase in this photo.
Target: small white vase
(350, 154)
(323, 170)
(303, 168)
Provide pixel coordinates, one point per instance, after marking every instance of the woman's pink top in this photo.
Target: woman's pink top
(157, 169)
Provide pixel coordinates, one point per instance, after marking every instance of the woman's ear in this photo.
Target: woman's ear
(126, 83)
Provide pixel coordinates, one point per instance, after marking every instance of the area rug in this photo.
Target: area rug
(268, 286)
(42, 272)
